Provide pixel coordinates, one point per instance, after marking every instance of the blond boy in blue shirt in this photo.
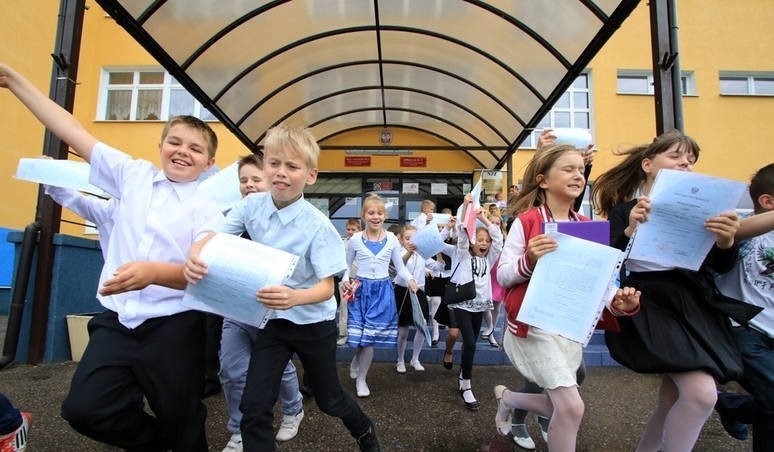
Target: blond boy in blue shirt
(303, 320)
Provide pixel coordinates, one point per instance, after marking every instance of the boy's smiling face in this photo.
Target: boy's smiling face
(184, 153)
(287, 172)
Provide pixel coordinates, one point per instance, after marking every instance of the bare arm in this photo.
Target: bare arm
(139, 275)
(283, 297)
(755, 225)
(54, 117)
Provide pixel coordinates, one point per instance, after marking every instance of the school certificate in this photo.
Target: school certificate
(428, 242)
(58, 173)
(236, 269)
(570, 287)
(681, 201)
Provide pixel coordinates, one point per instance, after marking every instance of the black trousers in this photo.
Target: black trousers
(315, 345)
(163, 361)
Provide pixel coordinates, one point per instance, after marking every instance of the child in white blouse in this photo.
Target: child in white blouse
(372, 315)
(418, 266)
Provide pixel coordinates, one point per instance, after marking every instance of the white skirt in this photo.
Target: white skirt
(544, 358)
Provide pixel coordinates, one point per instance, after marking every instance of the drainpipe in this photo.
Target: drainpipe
(62, 91)
(29, 239)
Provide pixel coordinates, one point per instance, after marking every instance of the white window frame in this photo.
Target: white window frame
(750, 76)
(688, 79)
(531, 141)
(167, 86)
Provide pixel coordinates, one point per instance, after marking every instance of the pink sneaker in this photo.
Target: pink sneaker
(16, 441)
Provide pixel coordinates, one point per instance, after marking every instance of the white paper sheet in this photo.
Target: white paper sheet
(569, 287)
(428, 242)
(236, 269)
(222, 187)
(681, 202)
(59, 173)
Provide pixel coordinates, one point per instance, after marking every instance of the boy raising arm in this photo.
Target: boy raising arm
(145, 339)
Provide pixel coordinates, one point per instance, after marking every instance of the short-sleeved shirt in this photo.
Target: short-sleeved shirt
(752, 280)
(299, 229)
(154, 219)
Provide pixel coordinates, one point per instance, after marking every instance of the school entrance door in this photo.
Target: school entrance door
(340, 196)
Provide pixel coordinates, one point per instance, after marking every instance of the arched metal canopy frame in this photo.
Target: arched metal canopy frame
(550, 46)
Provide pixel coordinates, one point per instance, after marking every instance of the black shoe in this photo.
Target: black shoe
(448, 364)
(733, 427)
(472, 406)
(306, 391)
(368, 442)
(434, 343)
(210, 389)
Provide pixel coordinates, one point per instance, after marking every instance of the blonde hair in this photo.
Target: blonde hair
(531, 195)
(372, 199)
(298, 139)
(406, 228)
(427, 203)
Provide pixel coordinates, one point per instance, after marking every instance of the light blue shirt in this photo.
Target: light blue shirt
(300, 229)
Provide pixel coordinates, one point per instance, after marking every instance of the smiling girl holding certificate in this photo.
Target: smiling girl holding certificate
(676, 333)
(552, 182)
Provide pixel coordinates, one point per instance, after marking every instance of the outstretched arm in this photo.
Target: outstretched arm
(755, 225)
(58, 120)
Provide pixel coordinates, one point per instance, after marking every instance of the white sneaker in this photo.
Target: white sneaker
(289, 427)
(234, 444)
(543, 423)
(521, 436)
(400, 367)
(362, 390)
(417, 366)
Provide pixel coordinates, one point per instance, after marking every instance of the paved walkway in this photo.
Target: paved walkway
(418, 411)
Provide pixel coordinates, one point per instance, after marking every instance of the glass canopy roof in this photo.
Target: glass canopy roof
(475, 74)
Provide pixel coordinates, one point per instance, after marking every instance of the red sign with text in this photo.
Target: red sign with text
(360, 160)
(414, 162)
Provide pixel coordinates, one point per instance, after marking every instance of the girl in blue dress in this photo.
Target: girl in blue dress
(372, 317)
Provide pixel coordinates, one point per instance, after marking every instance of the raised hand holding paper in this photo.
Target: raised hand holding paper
(236, 269)
(580, 138)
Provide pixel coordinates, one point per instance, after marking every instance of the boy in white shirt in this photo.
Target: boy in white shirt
(147, 339)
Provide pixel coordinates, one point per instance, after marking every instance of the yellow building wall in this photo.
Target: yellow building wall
(734, 131)
(27, 36)
(437, 160)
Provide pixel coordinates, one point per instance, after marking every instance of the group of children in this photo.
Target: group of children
(158, 224)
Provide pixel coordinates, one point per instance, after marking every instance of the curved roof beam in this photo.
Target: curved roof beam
(523, 27)
(339, 31)
(317, 71)
(364, 109)
(453, 144)
(418, 112)
(396, 88)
